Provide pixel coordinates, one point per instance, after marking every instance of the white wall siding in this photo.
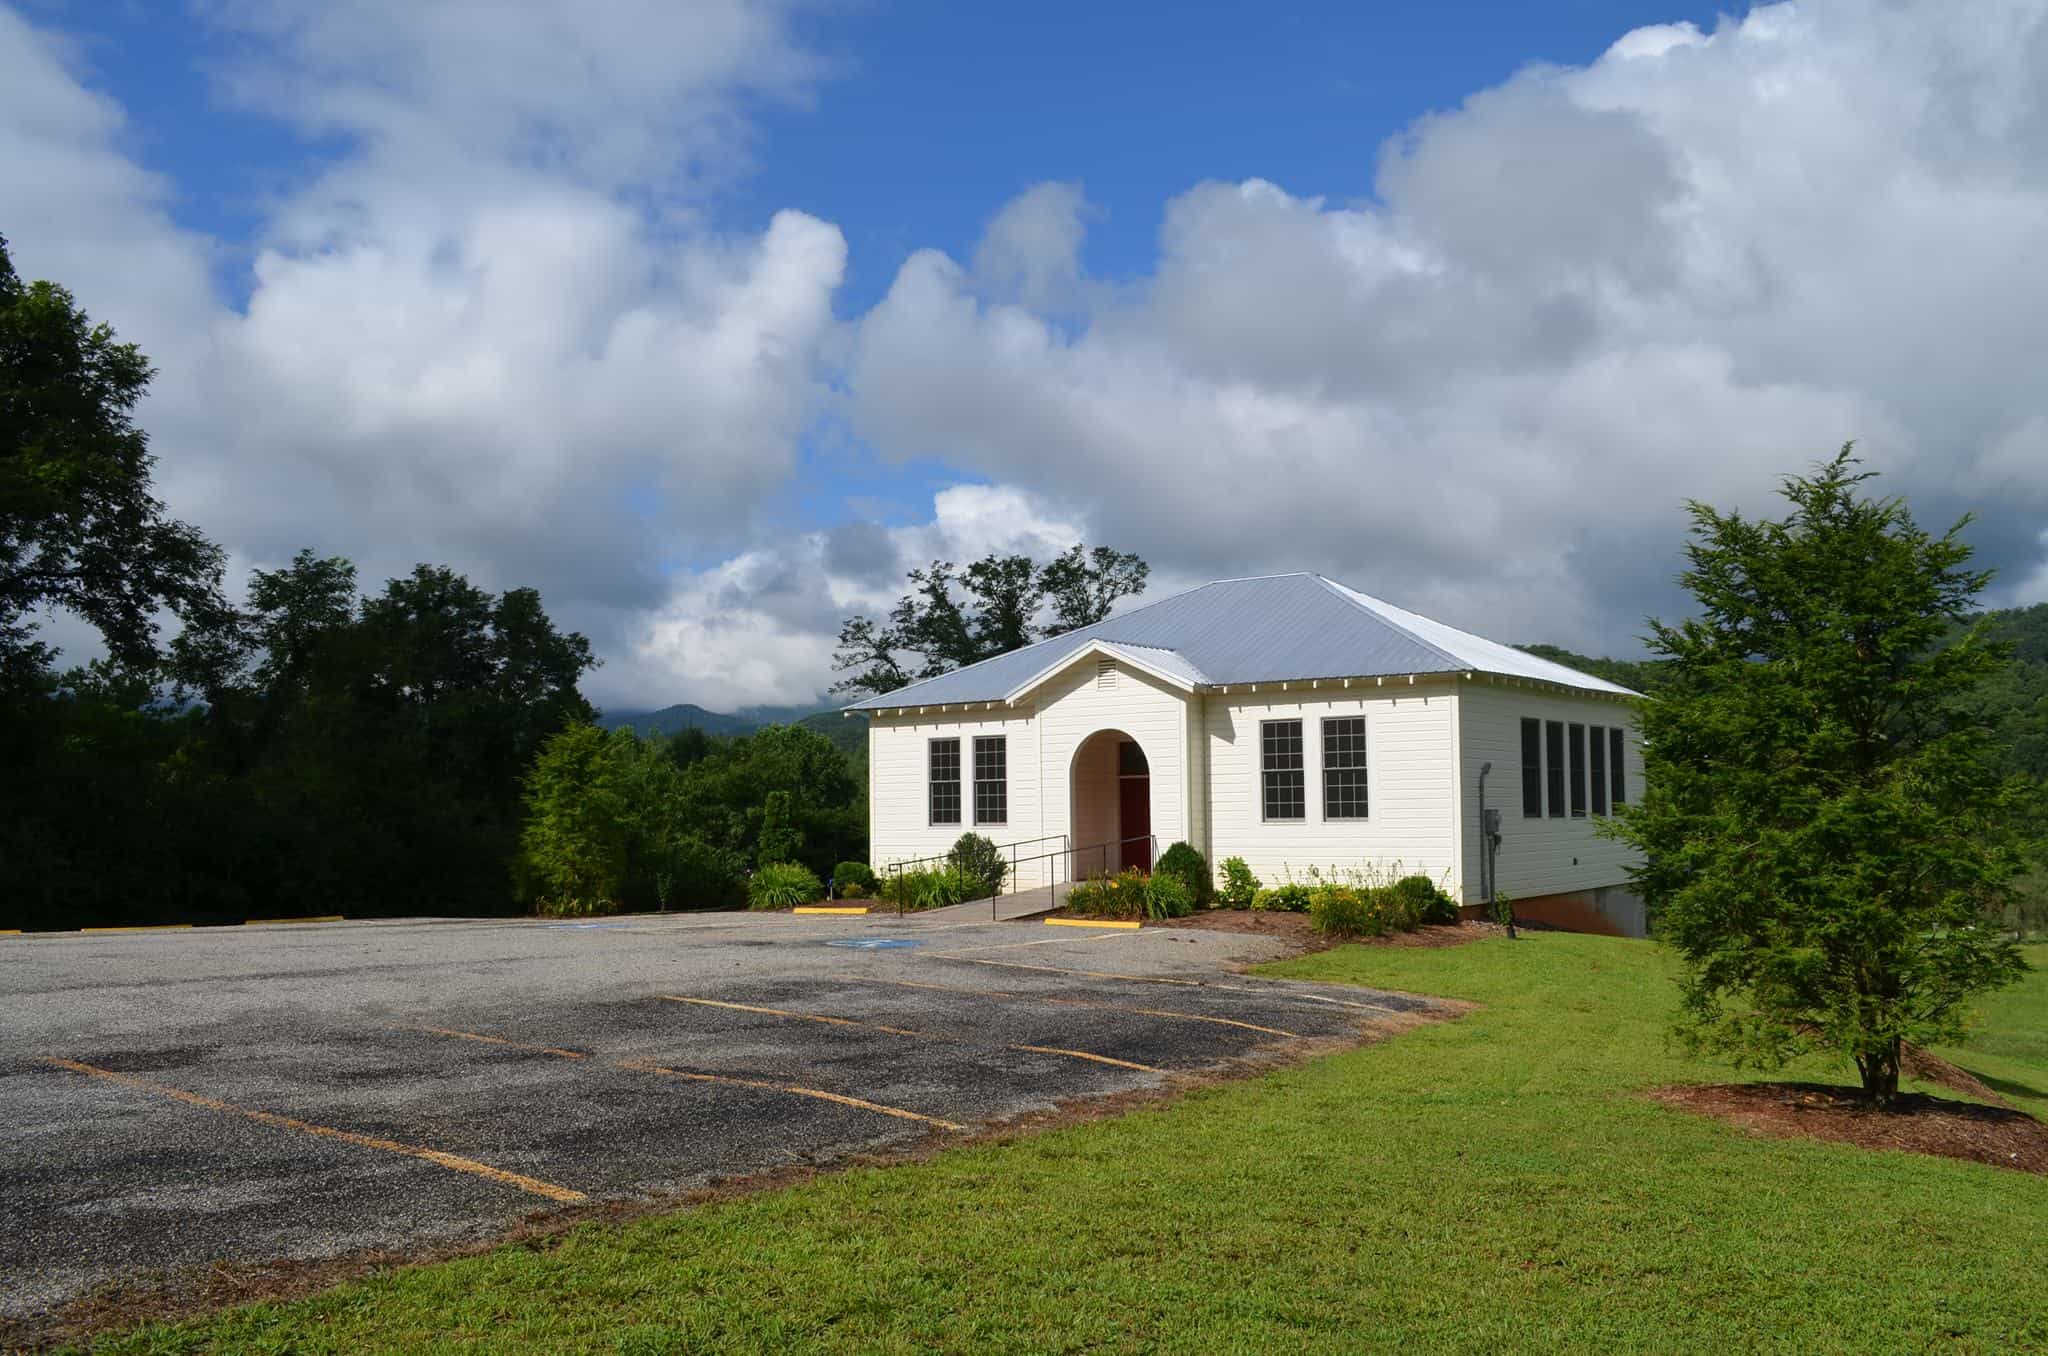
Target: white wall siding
(1537, 856)
(899, 825)
(1074, 705)
(1409, 769)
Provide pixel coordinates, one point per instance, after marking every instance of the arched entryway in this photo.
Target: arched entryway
(1109, 792)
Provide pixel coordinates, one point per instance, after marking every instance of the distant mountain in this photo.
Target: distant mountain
(689, 716)
(849, 734)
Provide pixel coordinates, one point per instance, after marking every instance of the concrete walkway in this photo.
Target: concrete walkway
(1006, 908)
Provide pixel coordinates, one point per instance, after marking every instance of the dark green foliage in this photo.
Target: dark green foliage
(1643, 675)
(1825, 826)
(1421, 897)
(781, 839)
(1010, 601)
(1240, 886)
(1183, 861)
(857, 874)
(783, 885)
(980, 861)
(80, 528)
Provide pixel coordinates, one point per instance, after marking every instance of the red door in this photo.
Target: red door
(1134, 805)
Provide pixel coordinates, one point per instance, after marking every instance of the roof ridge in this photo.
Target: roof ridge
(1352, 596)
(1090, 630)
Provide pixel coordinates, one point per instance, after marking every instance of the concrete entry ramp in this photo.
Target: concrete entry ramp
(1003, 909)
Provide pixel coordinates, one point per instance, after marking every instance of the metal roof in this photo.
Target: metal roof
(1272, 629)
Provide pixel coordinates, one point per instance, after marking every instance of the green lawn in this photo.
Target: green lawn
(2010, 1051)
(1494, 1182)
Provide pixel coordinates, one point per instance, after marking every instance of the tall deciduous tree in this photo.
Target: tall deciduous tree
(80, 530)
(1824, 829)
(997, 604)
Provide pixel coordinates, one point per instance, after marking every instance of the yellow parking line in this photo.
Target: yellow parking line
(1185, 983)
(446, 1160)
(10, 932)
(1083, 1054)
(1090, 974)
(820, 1018)
(142, 927)
(313, 918)
(815, 908)
(902, 1031)
(642, 1066)
(1085, 1003)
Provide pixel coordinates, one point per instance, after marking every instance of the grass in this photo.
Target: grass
(1494, 1182)
(2010, 1049)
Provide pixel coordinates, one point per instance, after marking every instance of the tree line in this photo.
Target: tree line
(421, 747)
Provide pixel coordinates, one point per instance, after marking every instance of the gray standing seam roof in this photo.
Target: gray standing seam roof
(1277, 628)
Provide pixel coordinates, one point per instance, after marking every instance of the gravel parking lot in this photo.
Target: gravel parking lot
(173, 1099)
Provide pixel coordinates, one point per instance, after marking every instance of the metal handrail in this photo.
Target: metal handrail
(947, 856)
(1071, 856)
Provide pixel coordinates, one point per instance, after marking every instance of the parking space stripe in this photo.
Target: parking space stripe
(1185, 983)
(1080, 1003)
(819, 1018)
(1083, 1054)
(436, 1156)
(643, 1066)
(904, 1031)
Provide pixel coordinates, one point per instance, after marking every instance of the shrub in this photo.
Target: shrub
(1182, 861)
(854, 875)
(982, 862)
(1167, 895)
(783, 885)
(929, 888)
(1125, 895)
(1356, 911)
(1240, 886)
(1291, 897)
(1426, 902)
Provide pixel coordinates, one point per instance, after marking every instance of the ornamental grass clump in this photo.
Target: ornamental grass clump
(783, 885)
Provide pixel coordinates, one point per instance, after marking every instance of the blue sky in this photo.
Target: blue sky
(710, 318)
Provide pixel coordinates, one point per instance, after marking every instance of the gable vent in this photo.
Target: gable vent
(1105, 674)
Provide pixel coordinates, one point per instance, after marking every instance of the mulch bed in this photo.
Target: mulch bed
(1998, 1135)
(1295, 928)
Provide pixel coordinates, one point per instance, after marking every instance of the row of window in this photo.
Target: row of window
(991, 780)
(1283, 778)
(1566, 766)
(1562, 762)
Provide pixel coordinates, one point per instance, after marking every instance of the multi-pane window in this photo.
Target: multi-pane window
(1618, 780)
(945, 781)
(1283, 783)
(991, 780)
(1597, 746)
(1553, 765)
(1578, 771)
(1532, 769)
(1344, 767)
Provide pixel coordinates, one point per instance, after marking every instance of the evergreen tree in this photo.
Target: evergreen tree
(1824, 827)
